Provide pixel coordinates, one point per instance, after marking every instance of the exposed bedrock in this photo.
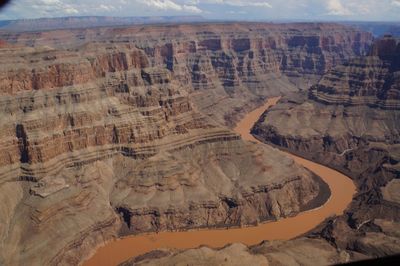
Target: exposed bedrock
(204, 184)
(302, 251)
(102, 138)
(371, 80)
(350, 121)
(231, 67)
(211, 185)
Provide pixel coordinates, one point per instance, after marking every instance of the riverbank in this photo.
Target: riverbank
(341, 187)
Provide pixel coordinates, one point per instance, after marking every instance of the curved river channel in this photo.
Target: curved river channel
(342, 190)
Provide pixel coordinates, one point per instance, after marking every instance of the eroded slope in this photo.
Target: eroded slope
(101, 138)
(350, 121)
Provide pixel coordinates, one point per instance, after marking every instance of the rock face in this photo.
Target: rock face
(371, 81)
(302, 251)
(231, 67)
(350, 121)
(106, 132)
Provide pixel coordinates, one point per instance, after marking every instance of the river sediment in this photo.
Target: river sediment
(341, 189)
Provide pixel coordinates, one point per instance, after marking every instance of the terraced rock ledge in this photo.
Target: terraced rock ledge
(114, 131)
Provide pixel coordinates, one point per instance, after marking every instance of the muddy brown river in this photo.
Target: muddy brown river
(342, 191)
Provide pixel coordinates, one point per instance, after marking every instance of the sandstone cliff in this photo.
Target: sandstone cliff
(350, 121)
(231, 67)
(114, 131)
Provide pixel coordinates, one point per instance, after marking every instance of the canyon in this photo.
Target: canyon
(349, 121)
(115, 131)
(333, 200)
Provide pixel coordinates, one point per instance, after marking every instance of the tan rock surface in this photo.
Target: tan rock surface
(350, 121)
(302, 251)
(235, 254)
(113, 131)
(391, 192)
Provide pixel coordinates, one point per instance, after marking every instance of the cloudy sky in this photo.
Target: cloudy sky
(381, 10)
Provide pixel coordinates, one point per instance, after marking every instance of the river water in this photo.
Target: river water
(342, 191)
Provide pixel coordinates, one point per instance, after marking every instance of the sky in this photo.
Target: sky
(266, 10)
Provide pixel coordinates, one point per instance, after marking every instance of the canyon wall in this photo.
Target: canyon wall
(230, 67)
(350, 121)
(114, 131)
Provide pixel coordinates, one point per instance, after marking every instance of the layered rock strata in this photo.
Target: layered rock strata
(231, 67)
(106, 132)
(350, 121)
(303, 251)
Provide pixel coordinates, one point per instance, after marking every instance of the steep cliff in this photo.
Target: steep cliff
(350, 121)
(114, 131)
(231, 67)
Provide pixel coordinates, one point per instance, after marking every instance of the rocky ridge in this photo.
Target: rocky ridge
(101, 139)
(231, 67)
(296, 252)
(350, 121)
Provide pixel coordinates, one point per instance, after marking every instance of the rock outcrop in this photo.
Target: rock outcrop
(366, 81)
(350, 121)
(106, 132)
(302, 251)
(231, 67)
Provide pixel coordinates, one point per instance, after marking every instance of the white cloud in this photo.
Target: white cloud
(260, 4)
(192, 9)
(171, 5)
(239, 3)
(106, 7)
(50, 2)
(336, 8)
(162, 4)
(43, 8)
(396, 3)
(71, 10)
(192, 2)
(214, 9)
